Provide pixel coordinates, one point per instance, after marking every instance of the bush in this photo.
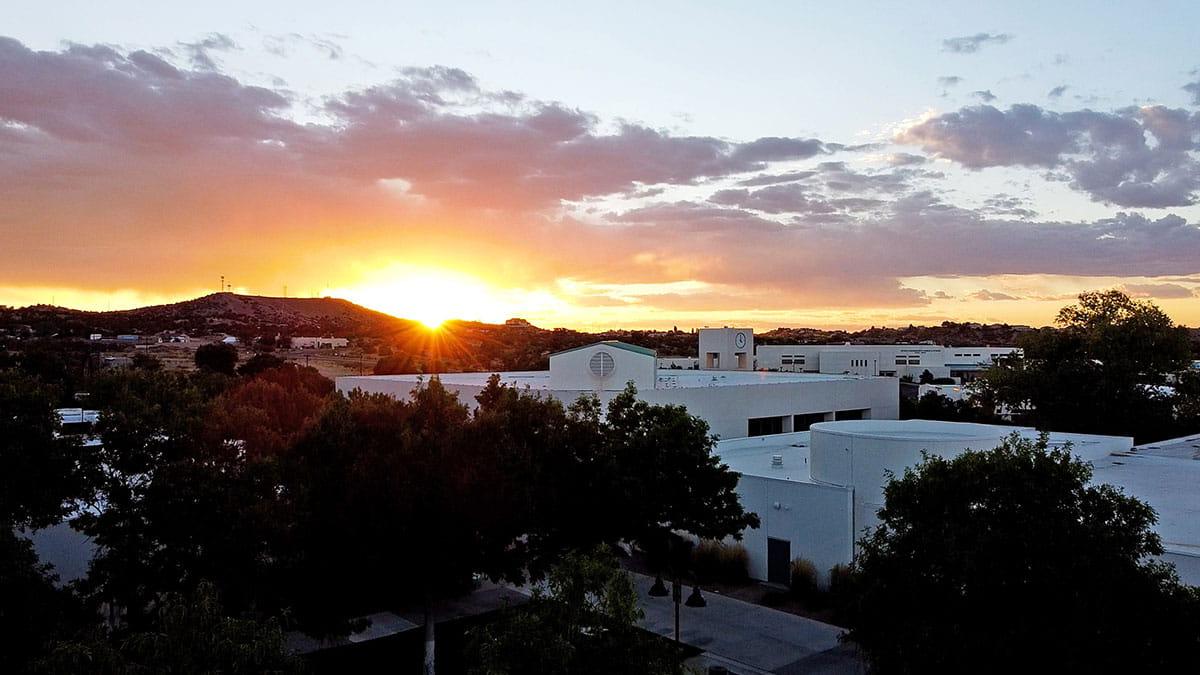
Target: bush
(718, 561)
(804, 579)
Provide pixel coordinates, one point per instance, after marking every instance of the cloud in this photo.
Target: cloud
(949, 80)
(285, 44)
(1193, 88)
(1057, 92)
(199, 50)
(1106, 155)
(969, 44)
(167, 175)
(1164, 291)
(984, 95)
(984, 294)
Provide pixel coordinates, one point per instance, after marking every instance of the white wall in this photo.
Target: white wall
(725, 408)
(724, 343)
(571, 370)
(816, 519)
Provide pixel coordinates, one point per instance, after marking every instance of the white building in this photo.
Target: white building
(734, 403)
(726, 348)
(888, 360)
(319, 343)
(817, 493)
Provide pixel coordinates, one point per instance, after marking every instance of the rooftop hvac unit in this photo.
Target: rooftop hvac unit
(776, 460)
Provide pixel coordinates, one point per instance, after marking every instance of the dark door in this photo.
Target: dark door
(779, 561)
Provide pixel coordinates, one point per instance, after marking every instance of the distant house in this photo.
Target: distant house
(319, 342)
(95, 336)
(127, 338)
(229, 340)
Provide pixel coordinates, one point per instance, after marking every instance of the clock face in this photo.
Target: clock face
(740, 340)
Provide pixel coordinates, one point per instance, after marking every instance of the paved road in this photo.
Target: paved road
(750, 639)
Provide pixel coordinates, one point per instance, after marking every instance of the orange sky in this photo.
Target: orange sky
(132, 177)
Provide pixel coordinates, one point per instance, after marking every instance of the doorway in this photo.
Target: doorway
(779, 561)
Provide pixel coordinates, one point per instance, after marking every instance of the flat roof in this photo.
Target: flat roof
(1169, 484)
(1165, 475)
(754, 456)
(917, 430)
(668, 378)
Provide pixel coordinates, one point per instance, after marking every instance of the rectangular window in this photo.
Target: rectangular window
(761, 426)
(900, 361)
(803, 422)
(849, 414)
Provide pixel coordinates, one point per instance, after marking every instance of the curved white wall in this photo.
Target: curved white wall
(859, 454)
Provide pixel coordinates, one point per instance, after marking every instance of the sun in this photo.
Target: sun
(429, 296)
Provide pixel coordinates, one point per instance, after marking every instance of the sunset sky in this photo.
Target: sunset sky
(605, 165)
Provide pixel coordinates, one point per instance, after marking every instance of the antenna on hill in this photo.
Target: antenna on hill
(222, 284)
(285, 290)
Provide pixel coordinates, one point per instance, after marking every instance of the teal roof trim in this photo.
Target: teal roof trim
(615, 344)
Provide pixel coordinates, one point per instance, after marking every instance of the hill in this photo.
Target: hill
(246, 316)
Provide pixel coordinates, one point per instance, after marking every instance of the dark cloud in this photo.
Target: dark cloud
(1164, 291)
(984, 294)
(1193, 88)
(772, 179)
(949, 80)
(1008, 205)
(1057, 92)
(1107, 155)
(984, 95)
(198, 51)
(284, 44)
(905, 159)
(969, 44)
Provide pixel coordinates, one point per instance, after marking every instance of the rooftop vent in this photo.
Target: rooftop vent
(776, 461)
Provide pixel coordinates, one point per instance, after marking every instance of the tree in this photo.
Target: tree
(148, 421)
(1008, 561)
(1097, 373)
(217, 358)
(188, 634)
(258, 363)
(43, 476)
(386, 497)
(926, 377)
(583, 622)
(935, 406)
(144, 361)
(42, 472)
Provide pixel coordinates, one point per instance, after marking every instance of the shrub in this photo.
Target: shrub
(804, 579)
(718, 561)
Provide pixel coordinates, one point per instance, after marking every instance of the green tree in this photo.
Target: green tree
(583, 621)
(43, 476)
(935, 406)
(1009, 561)
(148, 421)
(217, 358)
(1097, 373)
(187, 634)
(387, 500)
(258, 363)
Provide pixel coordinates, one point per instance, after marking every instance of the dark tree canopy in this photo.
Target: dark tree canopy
(1098, 372)
(217, 358)
(1009, 561)
(585, 623)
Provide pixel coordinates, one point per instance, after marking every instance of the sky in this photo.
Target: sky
(605, 165)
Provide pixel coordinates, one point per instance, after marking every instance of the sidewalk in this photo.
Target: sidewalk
(749, 639)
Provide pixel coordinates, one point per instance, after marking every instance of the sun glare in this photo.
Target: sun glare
(429, 296)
